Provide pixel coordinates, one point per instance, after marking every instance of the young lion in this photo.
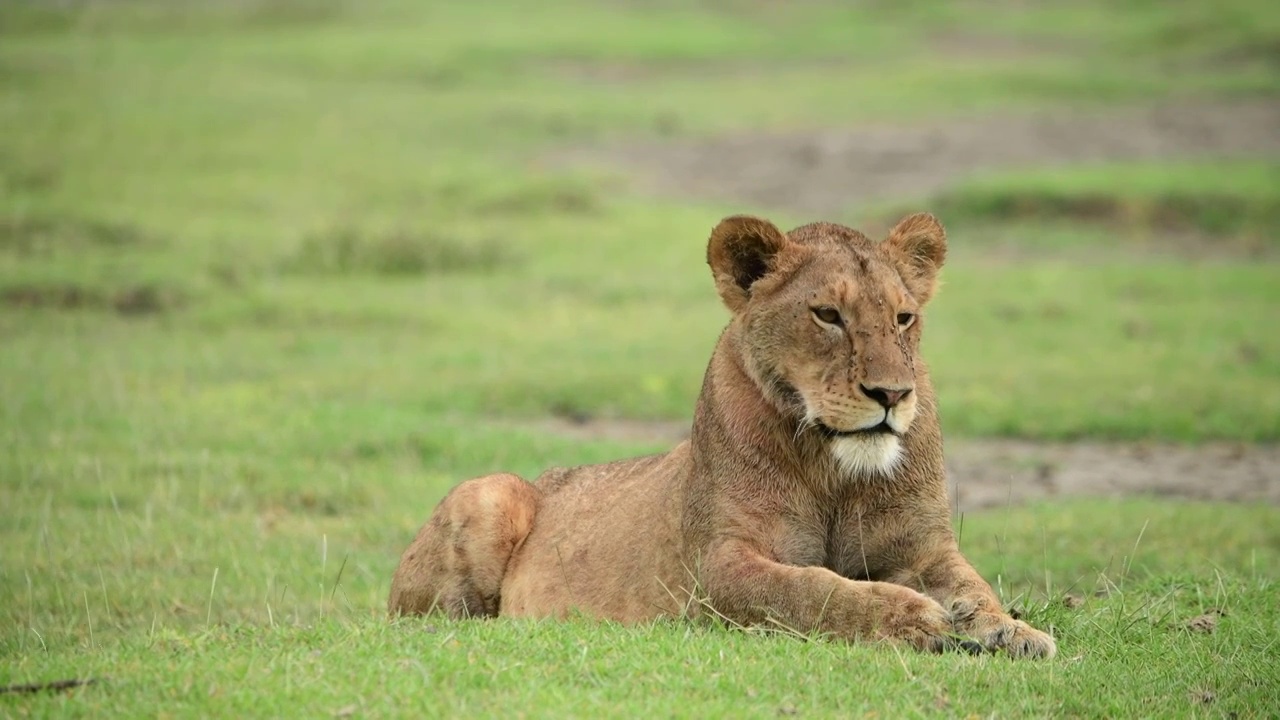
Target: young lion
(810, 493)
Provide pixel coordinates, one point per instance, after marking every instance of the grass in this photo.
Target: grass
(296, 628)
(275, 275)
(330, 170)
(581, 670)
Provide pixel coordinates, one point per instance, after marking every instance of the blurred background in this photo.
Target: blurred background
(280, 270)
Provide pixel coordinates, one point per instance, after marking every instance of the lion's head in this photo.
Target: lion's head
(829, 325)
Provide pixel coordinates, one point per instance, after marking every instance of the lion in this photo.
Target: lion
(810, 494)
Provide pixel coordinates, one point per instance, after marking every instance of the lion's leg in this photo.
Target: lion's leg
(976, 611)
(457, 561)
(746, 587)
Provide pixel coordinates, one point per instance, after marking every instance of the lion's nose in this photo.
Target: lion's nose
(886, 397)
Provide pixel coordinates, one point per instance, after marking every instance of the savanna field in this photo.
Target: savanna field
(276, 274)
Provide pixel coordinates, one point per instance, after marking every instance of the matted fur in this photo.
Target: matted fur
(810, 493)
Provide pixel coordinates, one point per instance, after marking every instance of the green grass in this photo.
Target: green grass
(356, 171)
(274, 275)
(267, 617)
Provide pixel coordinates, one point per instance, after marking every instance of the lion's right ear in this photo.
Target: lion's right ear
(920, 245)
(742, 250)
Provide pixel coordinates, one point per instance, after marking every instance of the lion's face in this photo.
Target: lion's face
(830, 325)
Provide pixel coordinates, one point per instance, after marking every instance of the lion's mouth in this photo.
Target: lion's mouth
(882, 429)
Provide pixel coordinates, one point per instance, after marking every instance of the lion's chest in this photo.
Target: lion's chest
(846, 540)
(798, 548)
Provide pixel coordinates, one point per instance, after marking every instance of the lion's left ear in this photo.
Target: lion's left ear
(919, 245)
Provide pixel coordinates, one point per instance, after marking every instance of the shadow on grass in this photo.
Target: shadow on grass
(132, 301)
(88, 16)
(1211, 215)
(346, 250)
(40, 236)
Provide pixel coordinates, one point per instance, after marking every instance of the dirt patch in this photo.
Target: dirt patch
(996, 473)
(826, 173)
(993, 473)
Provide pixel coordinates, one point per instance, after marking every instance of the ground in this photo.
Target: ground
(276, 274)
(830, 172)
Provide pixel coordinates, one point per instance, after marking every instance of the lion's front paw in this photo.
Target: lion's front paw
(1020, 640)
(917, 620)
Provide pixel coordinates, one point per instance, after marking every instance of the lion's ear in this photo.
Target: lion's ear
(920, 246)
(741, 251)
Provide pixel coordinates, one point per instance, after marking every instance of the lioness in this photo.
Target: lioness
(810, 493)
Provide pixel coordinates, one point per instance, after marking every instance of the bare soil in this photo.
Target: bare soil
(825, 173)
(996, 473)
(991, 473)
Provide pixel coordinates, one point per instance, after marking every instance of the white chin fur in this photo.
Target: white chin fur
(868, 455)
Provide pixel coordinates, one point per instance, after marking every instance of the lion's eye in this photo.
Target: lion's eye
(905, 320)
(828, 315)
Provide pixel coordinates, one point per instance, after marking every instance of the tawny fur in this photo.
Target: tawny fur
(810, 493)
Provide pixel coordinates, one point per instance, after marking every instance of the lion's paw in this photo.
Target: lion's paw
(919, 621)
(1020, 640)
